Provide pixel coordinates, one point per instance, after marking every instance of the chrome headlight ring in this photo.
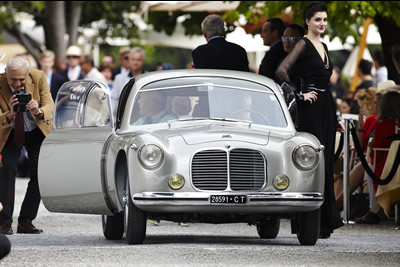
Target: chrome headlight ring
(150, 156)
(305, 157)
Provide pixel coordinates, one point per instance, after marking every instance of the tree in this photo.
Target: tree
(68, 18)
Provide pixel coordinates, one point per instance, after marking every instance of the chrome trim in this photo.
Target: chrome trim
(134, 147)
(203, 199)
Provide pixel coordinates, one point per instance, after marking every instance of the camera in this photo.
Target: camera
(23, 99)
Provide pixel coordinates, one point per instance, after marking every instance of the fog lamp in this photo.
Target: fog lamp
(176, 181)
(281, 182)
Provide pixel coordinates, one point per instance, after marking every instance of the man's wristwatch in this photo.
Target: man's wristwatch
(39, 114)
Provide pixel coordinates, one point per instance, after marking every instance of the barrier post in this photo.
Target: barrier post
(347, 118)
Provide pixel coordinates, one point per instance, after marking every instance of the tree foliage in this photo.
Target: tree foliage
(111, 19)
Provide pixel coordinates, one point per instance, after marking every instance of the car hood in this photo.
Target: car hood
(215, 133)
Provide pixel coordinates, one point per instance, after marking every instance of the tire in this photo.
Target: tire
(134, 220)
(113, 226)
(308, 226)
(269, 229)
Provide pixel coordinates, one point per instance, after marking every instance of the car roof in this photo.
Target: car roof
(148, 77)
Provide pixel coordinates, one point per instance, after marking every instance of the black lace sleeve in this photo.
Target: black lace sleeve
(282, 73)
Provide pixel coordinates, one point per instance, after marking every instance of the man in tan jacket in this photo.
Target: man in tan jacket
(22, 125)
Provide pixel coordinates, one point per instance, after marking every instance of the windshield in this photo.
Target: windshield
(186, 98)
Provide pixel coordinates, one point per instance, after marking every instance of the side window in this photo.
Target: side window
(69, 100)
(97, 111)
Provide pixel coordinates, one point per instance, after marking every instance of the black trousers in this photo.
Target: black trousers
(10, 154)
(5, 246)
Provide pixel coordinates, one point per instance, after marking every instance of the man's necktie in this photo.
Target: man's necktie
(19, 132)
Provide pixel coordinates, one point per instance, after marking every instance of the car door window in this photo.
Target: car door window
(82, 104)
(69, 99)
(97, 111)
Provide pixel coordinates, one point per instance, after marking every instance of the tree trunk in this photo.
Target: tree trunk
(76, 10)
(54, 27)
(14, 29)
(390, 33)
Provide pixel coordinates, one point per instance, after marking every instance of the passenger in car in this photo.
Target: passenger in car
(152, 109)
(182, 106)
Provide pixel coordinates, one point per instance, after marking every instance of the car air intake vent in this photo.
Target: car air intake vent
(247, 169)
(210, 170)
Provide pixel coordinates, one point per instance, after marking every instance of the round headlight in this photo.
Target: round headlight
(305, 157)
(150, 156)
(176, 181)
(281, 182)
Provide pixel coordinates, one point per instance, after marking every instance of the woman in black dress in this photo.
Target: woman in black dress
(316, 107)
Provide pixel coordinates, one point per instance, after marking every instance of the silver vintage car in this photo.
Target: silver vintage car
(204, 146)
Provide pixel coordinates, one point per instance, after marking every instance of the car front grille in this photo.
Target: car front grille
(238, 170)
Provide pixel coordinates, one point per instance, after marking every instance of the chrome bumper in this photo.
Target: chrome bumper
(200, 202)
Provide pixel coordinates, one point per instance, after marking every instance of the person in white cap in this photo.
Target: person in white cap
(385, 85)
(73, 72)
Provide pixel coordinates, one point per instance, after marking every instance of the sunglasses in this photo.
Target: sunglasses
(290, 39)
(126, 58)
(73, 56)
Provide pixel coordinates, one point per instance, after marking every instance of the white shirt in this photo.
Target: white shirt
(124, 71)
(96, 75)
(48, 77)
(119, 83)
(381, 74)
(73, 73)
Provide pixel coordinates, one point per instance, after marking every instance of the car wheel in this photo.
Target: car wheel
(113, 226)
(308, 225)
(134, 219)
(269, 229)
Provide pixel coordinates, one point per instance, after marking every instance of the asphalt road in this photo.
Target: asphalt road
(77, 240)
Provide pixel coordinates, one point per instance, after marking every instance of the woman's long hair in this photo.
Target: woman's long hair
(389, 104)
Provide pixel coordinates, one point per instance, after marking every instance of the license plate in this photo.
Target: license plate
(231, 199)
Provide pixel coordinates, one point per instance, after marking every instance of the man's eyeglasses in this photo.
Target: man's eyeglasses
(290, 39)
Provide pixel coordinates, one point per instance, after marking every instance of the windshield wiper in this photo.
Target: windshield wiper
(213, 118)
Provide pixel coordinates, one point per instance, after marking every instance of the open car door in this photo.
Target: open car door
(70, 160)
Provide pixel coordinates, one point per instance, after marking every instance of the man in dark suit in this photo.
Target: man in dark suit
(271, 33)
(27, 125)
(218, 53)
